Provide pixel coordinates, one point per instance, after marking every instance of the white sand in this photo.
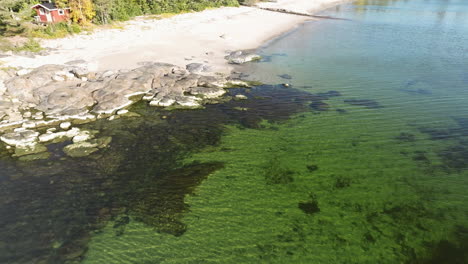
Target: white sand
(194, 37)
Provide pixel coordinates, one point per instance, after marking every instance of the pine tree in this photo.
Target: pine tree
(103, 10)
(7, 15)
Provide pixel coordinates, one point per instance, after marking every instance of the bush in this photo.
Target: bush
(30, 45)
(59, 30)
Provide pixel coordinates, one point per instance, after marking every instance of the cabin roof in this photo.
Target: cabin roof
(48, 6)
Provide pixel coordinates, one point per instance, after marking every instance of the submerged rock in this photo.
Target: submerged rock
(207, 92)
(241, 97)
(21, 151)
(80, 149)
(51, 136)
(83, 145)
(198, 68)
(21, 138)
(285, 76)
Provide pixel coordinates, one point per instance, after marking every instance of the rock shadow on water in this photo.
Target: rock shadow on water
(50, 208)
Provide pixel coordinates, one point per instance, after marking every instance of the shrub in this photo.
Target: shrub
(59, 30)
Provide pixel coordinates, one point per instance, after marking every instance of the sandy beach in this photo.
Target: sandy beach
(203, 37)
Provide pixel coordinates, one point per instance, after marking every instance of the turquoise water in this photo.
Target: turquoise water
(362, 159)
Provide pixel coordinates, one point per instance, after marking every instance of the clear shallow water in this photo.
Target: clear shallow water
(375, 172)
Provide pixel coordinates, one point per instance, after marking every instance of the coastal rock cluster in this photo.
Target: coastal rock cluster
(241, 57)
(52, 95)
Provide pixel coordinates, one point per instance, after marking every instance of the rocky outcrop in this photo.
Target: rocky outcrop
(241, 57)
(51, 95)
(198, 68)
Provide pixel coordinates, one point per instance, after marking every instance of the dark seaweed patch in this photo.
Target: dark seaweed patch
(455, 157)
(421, 157)
(342, 182)
(447, 252)
(371, 104)
(312, 168)
(276, 173)
(437, 134)
(329, 94)
(445, 133)
(410, 90)
(318, 103)
(417, 91)
(279, 54)
(320, 106)
(162, 205)
(406, 137)
(311, 206)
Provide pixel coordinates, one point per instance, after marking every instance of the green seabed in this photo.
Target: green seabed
(298, 192)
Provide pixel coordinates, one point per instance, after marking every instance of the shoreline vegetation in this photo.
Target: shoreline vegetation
(172, 61)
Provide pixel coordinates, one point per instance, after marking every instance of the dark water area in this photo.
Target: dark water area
(361, 158)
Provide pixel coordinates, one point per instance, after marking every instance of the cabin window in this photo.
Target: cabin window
(61, 12)
(41, 11)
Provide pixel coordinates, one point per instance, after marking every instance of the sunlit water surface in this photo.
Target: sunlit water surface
(362, 159)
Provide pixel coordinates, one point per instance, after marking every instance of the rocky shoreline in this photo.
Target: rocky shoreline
(43, 105)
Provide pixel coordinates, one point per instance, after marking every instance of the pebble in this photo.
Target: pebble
(29, 125)
(122, 112)
(65, 125)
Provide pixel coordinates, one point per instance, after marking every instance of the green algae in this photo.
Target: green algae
(389, 210)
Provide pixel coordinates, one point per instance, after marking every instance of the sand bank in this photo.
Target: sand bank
(193, 37)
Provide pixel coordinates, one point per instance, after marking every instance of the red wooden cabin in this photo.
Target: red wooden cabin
(48, 12)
